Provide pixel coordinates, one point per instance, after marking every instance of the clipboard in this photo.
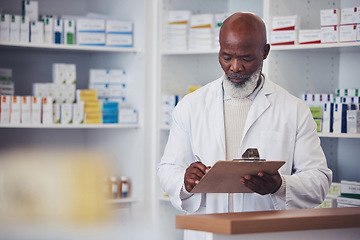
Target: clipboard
(224, 176)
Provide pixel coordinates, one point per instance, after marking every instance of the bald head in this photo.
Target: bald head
(244, 25)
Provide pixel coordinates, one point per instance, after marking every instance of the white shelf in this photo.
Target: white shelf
(190, 52)
(338, 46)
(67, 47)
(340, 135)
(121, 200)
(65, 126)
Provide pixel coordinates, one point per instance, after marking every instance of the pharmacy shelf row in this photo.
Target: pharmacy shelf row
(67, 47)
(65, 126)
(327, 135)
(122, 200)
(353, 46)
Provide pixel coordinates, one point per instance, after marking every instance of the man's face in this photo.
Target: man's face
(240, 57)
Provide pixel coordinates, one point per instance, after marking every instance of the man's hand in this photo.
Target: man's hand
(193, 175)
(262, 183)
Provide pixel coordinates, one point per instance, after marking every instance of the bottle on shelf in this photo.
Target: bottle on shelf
(124, 187)
(113, 187)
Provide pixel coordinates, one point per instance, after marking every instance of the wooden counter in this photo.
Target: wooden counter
(272, 221)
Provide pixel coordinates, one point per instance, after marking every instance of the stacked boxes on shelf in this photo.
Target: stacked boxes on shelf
(119, 34)
(336, 25)
(331, 197)
(111, 87)
(47, 29)
(176, 32)
(339, 114)
(350, 194)
(284, 30)
(184, 30)
(168, 104)
(201, 31)
(91, 105)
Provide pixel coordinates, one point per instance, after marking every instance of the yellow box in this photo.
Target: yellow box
(86, 95)
(93, 118)
(92, 107)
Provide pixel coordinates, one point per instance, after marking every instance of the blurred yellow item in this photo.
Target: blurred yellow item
(53, 186)
(93, 118)
(92, 107)
(193, 88)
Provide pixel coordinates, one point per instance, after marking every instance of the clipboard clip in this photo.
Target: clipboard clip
(251, 154)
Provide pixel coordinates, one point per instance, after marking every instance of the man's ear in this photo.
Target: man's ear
(266, 51)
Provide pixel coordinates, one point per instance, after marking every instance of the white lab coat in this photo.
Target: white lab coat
(278, 124)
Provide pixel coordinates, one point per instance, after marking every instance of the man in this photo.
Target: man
(244, 110)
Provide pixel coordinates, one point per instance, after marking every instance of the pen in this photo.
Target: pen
(197, 159)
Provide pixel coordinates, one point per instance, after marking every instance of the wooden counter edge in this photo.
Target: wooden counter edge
(271, 221)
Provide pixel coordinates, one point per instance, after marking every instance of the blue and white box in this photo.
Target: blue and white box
(90, 32)
(340, 110)
(328, 117)
(119, 33)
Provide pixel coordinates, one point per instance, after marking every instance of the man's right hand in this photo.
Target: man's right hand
(193, 175)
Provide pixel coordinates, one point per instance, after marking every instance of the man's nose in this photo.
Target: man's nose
(236, 66)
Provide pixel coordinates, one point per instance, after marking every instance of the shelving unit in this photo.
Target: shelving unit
(123, 144)
(66, 47)
(65, 126)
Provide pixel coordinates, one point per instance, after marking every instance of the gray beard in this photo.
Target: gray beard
(243, 89)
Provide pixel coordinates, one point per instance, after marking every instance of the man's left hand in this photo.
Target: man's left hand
(262, 183)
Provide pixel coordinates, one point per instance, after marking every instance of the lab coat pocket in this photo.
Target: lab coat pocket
(276, 145)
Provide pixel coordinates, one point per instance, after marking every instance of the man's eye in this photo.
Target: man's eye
(248, 59)
(227, 58)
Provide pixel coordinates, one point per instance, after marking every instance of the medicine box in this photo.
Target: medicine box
(36, 32)
(58, 31)
(179, 17)
(310, 36)
(128, 116)
(328, 117)
(93, 118)
(350, 15)
(358, 32)
(329, 34)
(5, 28)
(24, 29)
(35, 110)
(92, 106)
(329, 17)
(347, 92)
(78, 113)
(110, 117)
(30, 9)
(69, 32)
(219, 18)
(5, 104)
(353, 121)
(56, 113)
(119, 40)
(66, 113)
(113, 26)
(25, 112)
(6, 74)
(48, 30)
(340, 119)
(348, 33)
(201, 21)
(47, 110)
(284, 37)
(86, 95)
(15, 28)
(90, 39)
(15, 108)
(282, 23)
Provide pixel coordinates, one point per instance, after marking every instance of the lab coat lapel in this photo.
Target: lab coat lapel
(215, 104)
(258, 107)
